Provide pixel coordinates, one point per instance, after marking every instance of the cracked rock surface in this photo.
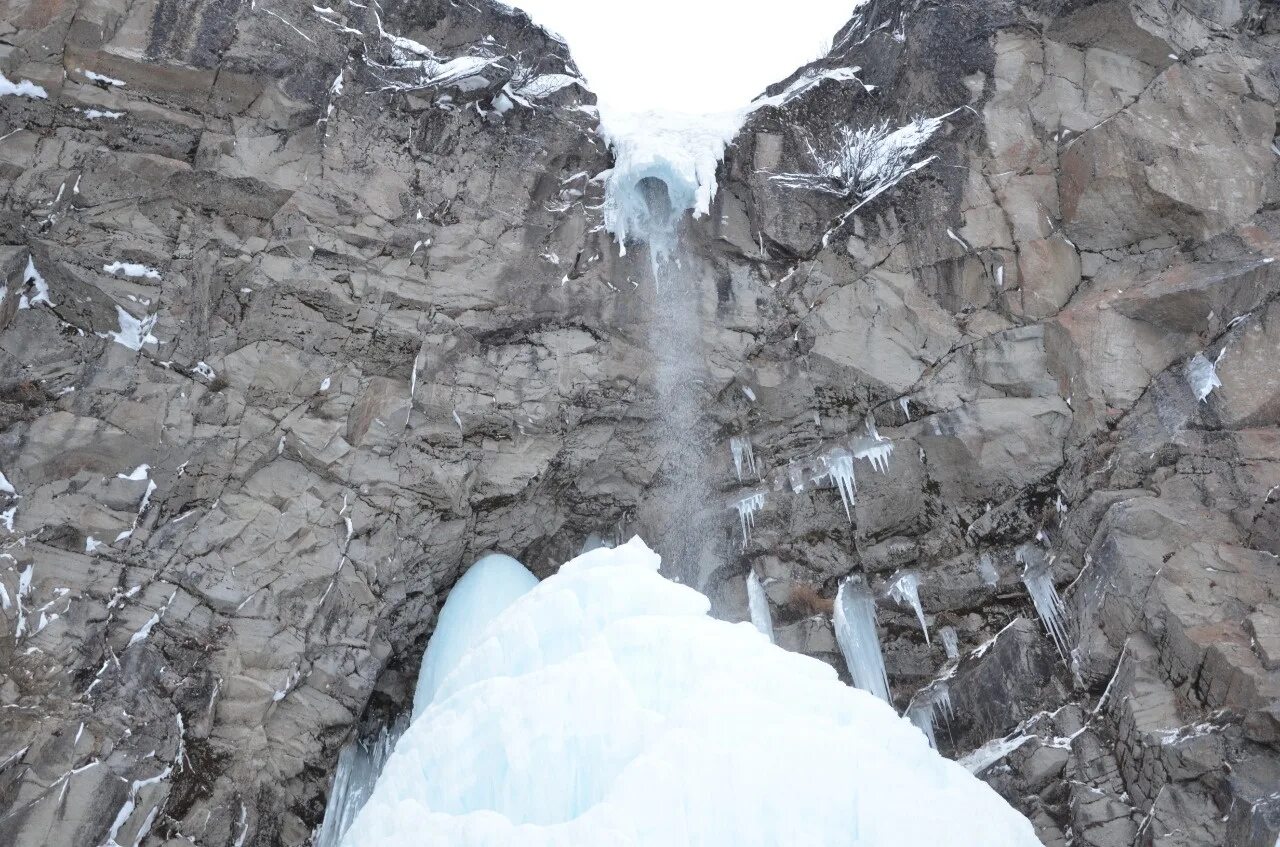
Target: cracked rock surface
(305, 308)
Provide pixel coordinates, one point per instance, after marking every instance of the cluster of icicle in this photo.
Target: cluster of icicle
(834, 467)
(605, 706)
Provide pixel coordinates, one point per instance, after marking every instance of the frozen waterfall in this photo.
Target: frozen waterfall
(489, 586)
(359, 765)
(605, 707)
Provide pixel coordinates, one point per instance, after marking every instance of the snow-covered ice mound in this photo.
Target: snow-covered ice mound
(604, 708)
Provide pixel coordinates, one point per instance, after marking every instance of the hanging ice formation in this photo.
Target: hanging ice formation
(359, 764)
(930, 704)
(950, 642)
(873, 447)
(758, 606)
(905, 588)
(839, 465)
(606, 707)
(855, 626)
(489, 586)
(675, 151)
(743, 456)
(1037, 576)
(836, 465)
(747, 507)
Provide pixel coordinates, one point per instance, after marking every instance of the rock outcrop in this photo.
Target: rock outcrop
(306, 308)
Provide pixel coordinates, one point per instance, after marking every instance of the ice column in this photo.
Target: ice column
(359, 764)
(855, 626)
(485, 590)
(758, 605)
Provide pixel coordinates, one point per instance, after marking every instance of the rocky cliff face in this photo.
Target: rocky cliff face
(306, 308)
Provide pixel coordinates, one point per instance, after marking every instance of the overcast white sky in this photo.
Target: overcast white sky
(689, 55)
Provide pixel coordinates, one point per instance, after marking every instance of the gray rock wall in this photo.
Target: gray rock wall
(338, 280)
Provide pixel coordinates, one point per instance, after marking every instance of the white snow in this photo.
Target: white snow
(32, 277)
(131, 269)
(606, 707)
(544, 85)
(758, 606)
(133, 332)
(97, 77)
(21, 88)
(204, 369)
(145, 631)
(6, 487)
(491, 585)
(862, 163)
(138, 474)
(1202, 376)
(855, 627)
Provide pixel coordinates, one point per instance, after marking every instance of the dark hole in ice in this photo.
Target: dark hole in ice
(656, 197)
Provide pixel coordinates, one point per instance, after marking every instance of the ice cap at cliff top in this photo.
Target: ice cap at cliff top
(675, 80)
(605, 708)
(694, 56)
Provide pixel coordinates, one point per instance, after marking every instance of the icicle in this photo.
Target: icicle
(905, 588)
(758, 605)
(747, 508)
(839, 468)
(930, 704)
(855, 626)
(874, 447)
(359, 765)
(905, 403)
(921, 714)
(950, 642)
(743, 457)
(1037, 576)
